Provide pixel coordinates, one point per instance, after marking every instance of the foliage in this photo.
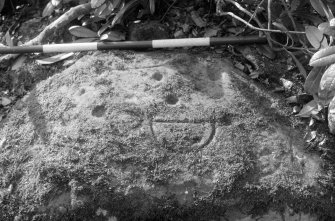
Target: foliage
(301, 24)
(106, 14)
(320, 81)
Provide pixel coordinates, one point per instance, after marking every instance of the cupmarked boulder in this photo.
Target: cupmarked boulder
(155, 136)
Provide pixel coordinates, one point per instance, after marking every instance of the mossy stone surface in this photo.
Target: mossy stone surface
(155, 135)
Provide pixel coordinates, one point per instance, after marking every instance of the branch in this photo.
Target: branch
(49, 31)
(259, 29)
(62, 21)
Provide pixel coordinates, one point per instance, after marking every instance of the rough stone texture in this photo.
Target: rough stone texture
(155, 136)
(331, 116)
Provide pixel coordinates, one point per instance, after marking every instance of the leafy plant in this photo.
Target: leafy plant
(320, 82)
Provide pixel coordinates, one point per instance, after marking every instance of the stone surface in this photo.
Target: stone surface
(157, 135)
(331, 116)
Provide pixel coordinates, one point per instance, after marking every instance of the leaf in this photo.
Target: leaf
(211, 32)
(313, 79)
(2, 4)
(103, 28)
(317, 5)
(197, 20)
(113, 36)
(83, 40)
(323, 57)
(301, 68)
(80, 31)
(97, 3)
(282, 27)
(100, 9)
(294, 5)
(325, 28)
(48, 10)
(55, 58)
(91, 20)
(18, 63)
(56, 2)
(311, 108)
(331, 15)
(116, 4)
(9, 40)
(316, 37)
(106, 12)
(152, 6)
(326, 90)
(119, 15)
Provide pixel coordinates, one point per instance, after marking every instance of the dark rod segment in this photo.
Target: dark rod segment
(237, 40)
(21, 49)
(127, 45)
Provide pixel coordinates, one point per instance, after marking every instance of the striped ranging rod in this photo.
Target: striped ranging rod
(129, 45)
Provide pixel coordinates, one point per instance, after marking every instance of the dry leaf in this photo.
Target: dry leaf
(210, 32)
(48, 10)
(80, 31)
(197, 20)
(55, 58)
(113, 36)
(18, 63)
(9, 40)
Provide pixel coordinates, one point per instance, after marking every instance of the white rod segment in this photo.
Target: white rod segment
(183, 42)
(70, 47)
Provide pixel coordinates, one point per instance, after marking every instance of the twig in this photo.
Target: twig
(269, 14)
(255, 12)
(62, 21)
(174, 2)
(292, 20)
(289, 14)
(259, 29)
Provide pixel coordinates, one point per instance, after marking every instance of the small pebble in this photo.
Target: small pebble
(296, 109)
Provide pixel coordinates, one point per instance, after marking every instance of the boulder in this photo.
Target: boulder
(155, 136)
